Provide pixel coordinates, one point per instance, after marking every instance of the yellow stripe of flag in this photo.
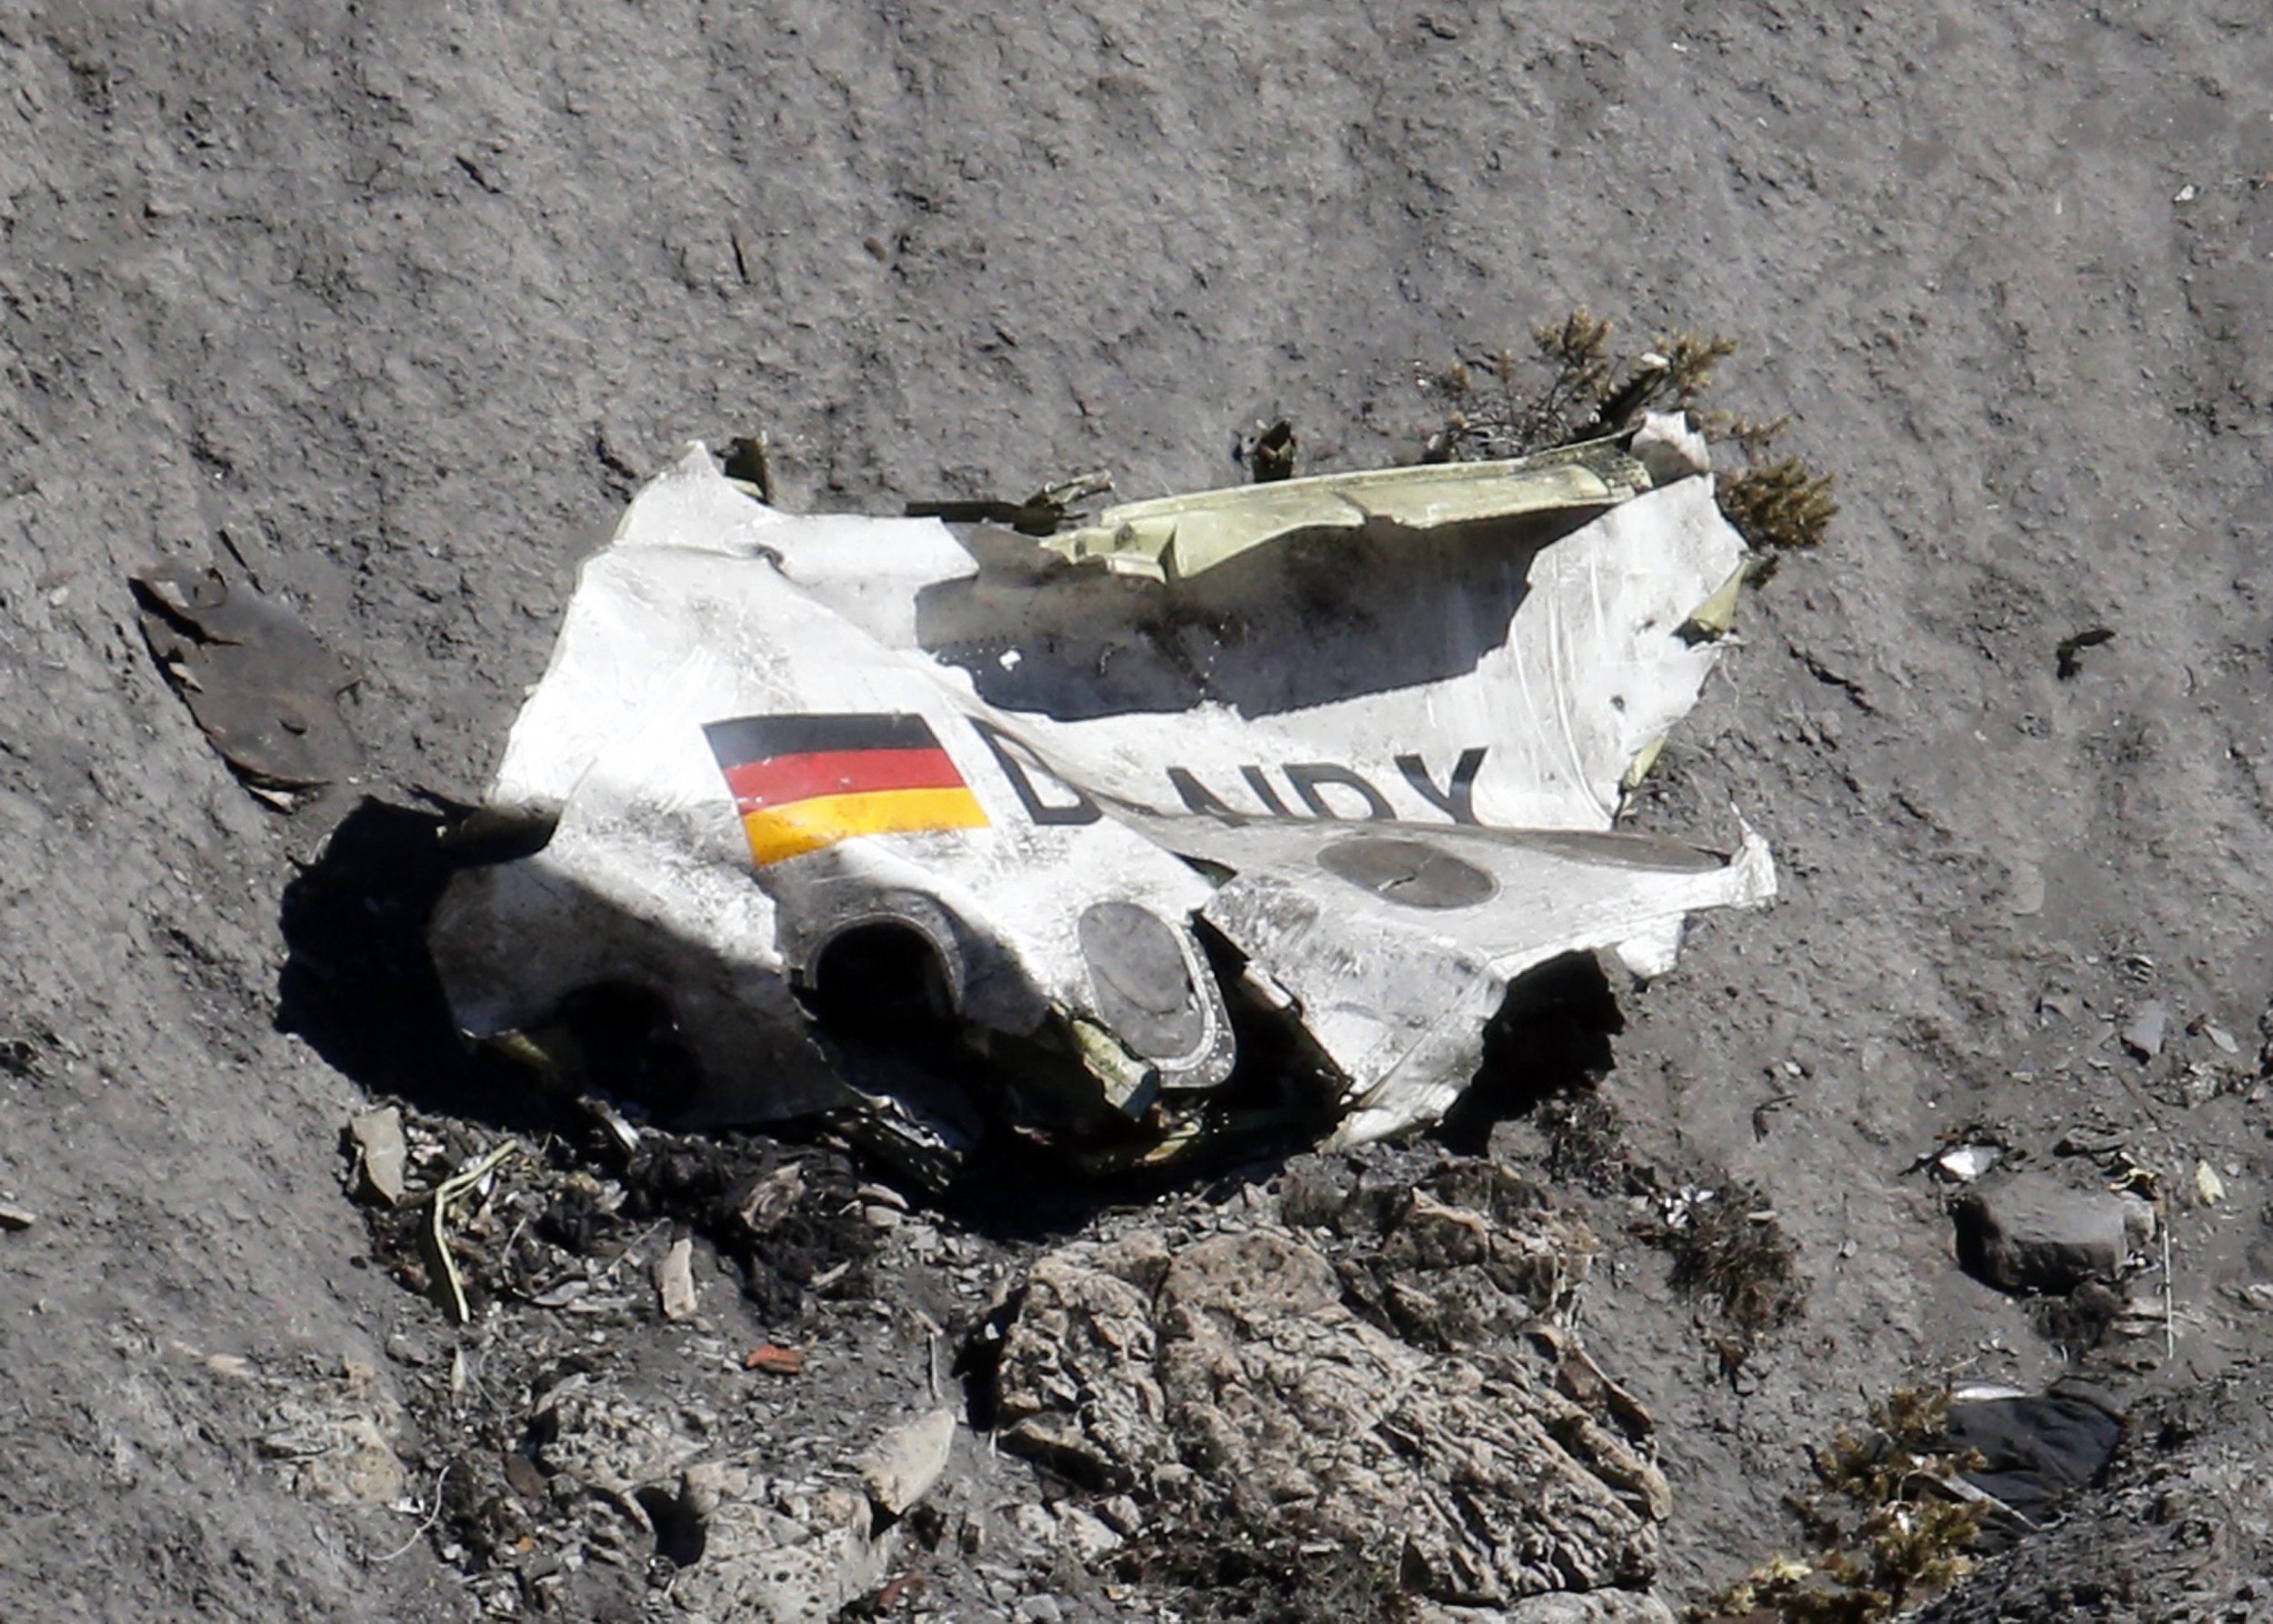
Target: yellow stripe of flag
(800, 827)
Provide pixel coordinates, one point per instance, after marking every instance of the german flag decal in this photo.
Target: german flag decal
(803, 783)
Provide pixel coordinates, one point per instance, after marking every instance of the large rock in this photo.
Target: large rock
(1596, 1607)
(1412, 1392)
(2033, 1233)
(1582, 1607)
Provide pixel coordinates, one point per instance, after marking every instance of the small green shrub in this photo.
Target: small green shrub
(1574, 386)
(1886, 1538)
(1780, 505)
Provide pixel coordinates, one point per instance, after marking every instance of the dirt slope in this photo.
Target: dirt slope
(402, 301)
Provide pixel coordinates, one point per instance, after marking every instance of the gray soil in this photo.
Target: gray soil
(403, 300)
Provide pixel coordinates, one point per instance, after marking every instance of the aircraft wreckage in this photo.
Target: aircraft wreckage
(924, 831)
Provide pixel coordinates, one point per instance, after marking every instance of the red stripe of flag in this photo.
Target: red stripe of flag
(787, 779)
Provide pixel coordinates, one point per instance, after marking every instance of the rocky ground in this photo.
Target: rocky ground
(390, 310)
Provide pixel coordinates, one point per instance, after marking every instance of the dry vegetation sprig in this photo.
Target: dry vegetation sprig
(1727, 1248)
(1574, 384)
(1732, 1251)
(1779, 506)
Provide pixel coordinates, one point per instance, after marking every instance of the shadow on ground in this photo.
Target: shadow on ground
(359, 988)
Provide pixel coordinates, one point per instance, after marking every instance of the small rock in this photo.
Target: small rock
(335, 1438)
(1034, 1524)
(2144, 1035)
(525, 1477)
(2090, 1140)
(1039, 1610)
(1313, 1191)
(2208, 1187)
(2199, 1086)
(778, 1551)
(902, 1468)
(675, 1279)
(2259, 1296)
(2033, 1233)
(2222, 1038)
(380, 1155)
(1122, 1515)
(1087, 1538)
(13, 1217)
(561, 1294)
(773, 1360)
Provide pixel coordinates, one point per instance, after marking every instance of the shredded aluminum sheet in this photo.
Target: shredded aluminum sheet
(1346, 750)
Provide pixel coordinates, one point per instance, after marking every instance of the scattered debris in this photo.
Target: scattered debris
(742, 1539)
(2033, 1233)
(335, 1434)
(2143, 1037)
(265, 691)
(1373, 1386)
(1270, 453)
(564, 1232)
(1965, 1163)
(749, 463)
(675, 1279)
(2084, 1318)
(992, 889)
(381, 1158)
(13, 1217)
(1727, 1245)
(775, 1361)
(2178, 1525)
(2069, 648)
(1045, 513)
(450, 1284)
(2030, 1453)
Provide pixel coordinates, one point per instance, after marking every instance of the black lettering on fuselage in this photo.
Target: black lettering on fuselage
(1196, 796)
(1049, 798)
(1023, 767)
(1264, 792)
(1308, 777)
(1457, 799)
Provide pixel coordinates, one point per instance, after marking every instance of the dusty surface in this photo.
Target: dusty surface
(404, 306)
